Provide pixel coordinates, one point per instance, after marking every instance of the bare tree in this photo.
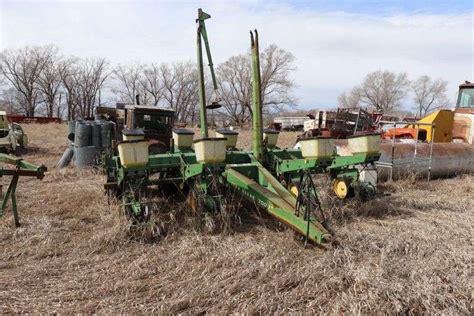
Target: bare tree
(277, 65)
(130, 83)
(152, 83)
(180, 88)
(351, 100)
(384, 90)
(13, 100)
(22, 69)
(89, 78)
(429, 95)
(235, 86)
(67, 69)
(49, 81)
(60, 107)
(2, 79)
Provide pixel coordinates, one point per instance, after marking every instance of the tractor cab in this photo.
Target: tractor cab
(463, 127)
(466, 96)
(156, 123)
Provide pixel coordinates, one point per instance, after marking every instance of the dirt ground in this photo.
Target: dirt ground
(409, 251)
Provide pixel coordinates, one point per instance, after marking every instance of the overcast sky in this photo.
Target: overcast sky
(336, 43)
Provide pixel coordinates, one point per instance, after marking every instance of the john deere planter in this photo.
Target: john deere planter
(276, 180)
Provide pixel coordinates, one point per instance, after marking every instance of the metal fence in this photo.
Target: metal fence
(415, 162)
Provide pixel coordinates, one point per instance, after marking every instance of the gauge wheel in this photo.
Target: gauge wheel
(293, 188)
(341, 188)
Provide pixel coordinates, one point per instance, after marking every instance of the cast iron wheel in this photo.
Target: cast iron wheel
(342, 188)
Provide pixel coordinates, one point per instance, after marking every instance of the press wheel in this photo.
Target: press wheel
(293, 188)
(341, 188)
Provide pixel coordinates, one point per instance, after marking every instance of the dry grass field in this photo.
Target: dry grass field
(408, 252)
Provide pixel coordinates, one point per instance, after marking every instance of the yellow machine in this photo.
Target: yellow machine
(443, 131)
(463, 126)
(450, 125)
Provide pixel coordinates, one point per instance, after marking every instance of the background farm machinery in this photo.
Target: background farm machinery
(11, 135)
(16, 168)
(208, 169)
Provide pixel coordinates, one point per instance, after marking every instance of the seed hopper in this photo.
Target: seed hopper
(277, 180)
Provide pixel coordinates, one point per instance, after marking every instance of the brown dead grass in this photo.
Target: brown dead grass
(410, 252)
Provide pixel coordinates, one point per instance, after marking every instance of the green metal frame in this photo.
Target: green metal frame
(257, 124)
(21, 168)
(289, 163)
(242, 171)
(202, 36)
(256, 174)
(257, 184)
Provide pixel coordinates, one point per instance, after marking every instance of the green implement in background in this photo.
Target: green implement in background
(19, 168)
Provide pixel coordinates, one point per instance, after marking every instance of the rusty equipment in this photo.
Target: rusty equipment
(451, 126)
(341, 124)
(21, 168)
(463, 126)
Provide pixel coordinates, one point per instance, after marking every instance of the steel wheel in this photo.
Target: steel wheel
(293, 188)
(341, 188)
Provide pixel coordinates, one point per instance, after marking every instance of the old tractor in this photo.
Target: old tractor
(156, 123)
(208, 169)
(12, 135)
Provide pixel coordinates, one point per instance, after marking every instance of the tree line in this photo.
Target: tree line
(35, 78)
(40, 80)
(384, 91)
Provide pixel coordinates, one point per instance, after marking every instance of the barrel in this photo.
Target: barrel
(85, 156)
(71, 130)
(106, 134)
(66, 158)
(96, 134)
(83, 134)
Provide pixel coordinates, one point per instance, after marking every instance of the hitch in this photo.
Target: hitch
(20, 168)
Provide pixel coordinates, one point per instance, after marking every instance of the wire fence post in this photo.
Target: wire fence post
(393, 150)
(416, 141)
(433, 126)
